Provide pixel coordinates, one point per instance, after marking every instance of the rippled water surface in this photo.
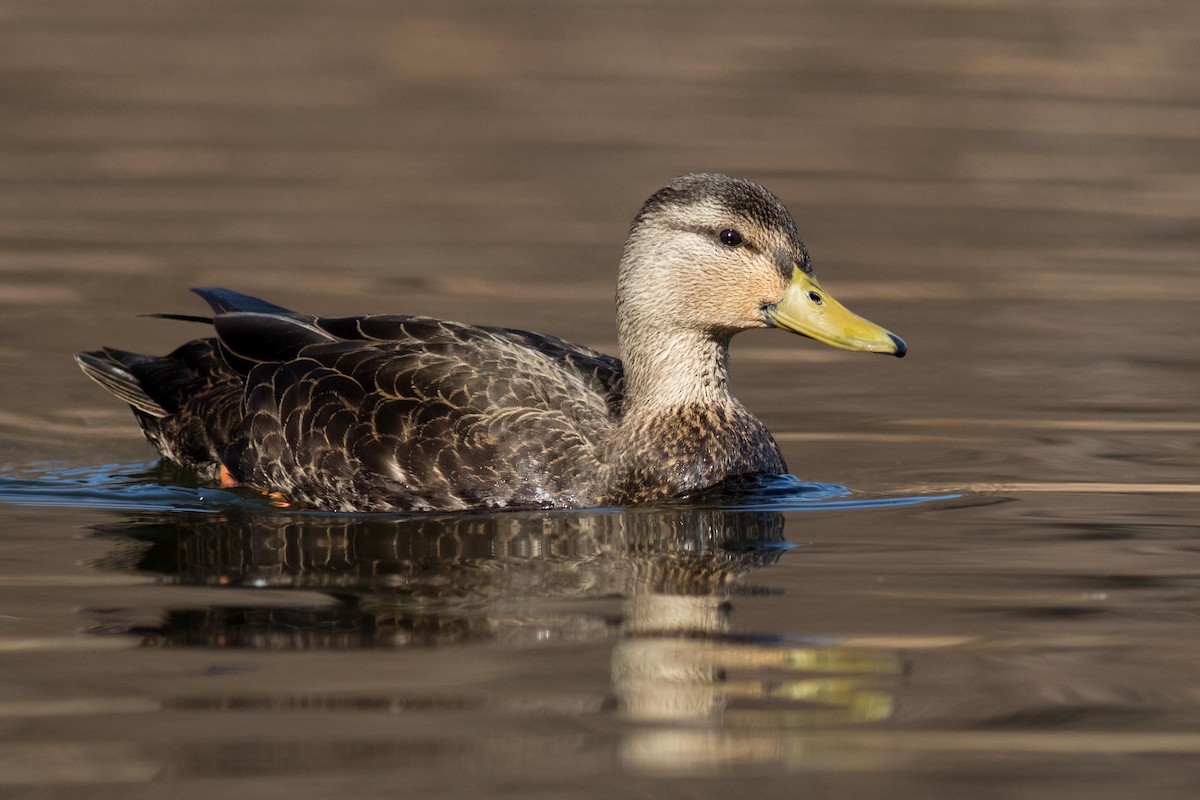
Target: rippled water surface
(984, 581)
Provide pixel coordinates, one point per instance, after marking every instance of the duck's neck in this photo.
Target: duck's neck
(681, 430)
(670, 363)
(671, 368)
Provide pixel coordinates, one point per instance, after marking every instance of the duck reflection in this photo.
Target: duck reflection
(436, 580)
(397, 582)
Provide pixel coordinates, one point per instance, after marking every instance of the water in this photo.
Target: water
(982, 582)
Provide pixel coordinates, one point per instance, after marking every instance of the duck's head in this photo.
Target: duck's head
(722, 255)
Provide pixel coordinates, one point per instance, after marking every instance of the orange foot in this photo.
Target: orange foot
(227, 479)
(228, 482)
(278, 500)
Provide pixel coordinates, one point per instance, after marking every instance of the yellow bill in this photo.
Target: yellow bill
(810, 311)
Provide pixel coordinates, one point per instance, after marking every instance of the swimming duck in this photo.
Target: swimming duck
(408, 413)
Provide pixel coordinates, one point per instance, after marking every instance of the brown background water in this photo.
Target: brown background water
(1014, 187)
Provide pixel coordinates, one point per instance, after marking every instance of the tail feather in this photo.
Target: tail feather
(189, 402)
(110, 369)
(181, 317)
(223, 301)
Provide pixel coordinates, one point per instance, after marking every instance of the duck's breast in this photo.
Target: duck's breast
(683, 449)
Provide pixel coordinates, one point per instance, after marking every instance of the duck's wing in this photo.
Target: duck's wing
(403, 413)
(602, 373)
(276, 333)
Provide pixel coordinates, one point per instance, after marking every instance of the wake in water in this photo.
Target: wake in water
(165, 487)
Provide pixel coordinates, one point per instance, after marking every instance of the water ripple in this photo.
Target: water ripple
(163, 487)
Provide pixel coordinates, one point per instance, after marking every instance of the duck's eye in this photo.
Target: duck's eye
(816, 298)
(730, 238)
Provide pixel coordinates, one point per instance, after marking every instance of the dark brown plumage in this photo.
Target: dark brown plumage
(405, 413)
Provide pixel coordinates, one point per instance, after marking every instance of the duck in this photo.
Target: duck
(399, 413)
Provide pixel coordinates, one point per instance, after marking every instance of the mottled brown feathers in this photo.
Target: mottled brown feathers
(696, 446)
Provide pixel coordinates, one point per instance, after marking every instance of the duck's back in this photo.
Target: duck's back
(378, 412)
